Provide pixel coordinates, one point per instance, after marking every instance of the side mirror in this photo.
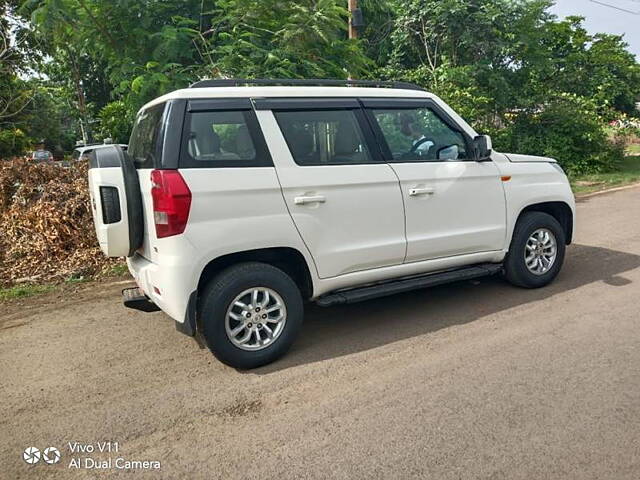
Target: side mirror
(482, 146)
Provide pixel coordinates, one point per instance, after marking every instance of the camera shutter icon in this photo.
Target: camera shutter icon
(51, 455)
(31, 455)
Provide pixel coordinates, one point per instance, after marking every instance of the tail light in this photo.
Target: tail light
(171, 202)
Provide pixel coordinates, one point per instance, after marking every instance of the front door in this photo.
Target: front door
(454, 205)
(344, 200)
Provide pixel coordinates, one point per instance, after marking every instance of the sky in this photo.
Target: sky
(624, 19)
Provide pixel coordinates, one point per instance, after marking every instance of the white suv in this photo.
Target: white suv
(239, 200)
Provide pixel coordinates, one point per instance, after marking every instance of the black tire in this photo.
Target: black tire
(515, 268)
(223, 289)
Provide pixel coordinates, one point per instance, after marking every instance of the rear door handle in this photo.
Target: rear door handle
(421, 191)
(309, 199)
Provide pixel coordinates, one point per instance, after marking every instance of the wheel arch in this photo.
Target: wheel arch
(559, 210)
(287, 259)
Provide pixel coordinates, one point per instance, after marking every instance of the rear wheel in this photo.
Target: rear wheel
(250, 314)
(536, 252)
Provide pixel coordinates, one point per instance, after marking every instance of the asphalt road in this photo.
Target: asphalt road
(472, 380)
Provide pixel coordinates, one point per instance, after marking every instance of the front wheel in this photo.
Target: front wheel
(251, 313)
(536, 252)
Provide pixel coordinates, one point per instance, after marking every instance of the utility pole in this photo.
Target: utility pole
(352, 6)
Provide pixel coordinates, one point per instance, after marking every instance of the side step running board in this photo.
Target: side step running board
(408, 283)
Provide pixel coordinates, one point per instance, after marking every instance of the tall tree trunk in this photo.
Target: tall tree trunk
(82, 102)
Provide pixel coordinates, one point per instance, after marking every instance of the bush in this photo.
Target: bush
(13, 142)
(566, 128)
(455, 85)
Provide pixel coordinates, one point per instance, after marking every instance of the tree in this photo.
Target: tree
(14, 96)
(133, 51)
(271, 38)
(513, 70)
(115, 122)
(508, 66)
(563, 57)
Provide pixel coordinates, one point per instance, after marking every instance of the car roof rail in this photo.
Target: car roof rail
(299, 82)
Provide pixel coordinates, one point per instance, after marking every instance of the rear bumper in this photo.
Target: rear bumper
(167, 285)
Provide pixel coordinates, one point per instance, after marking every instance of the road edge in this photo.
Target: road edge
(608, 190)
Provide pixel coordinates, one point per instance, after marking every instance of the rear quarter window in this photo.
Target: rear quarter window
(145, 144)
(223, 138)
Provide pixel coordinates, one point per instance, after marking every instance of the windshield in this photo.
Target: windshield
(41, 154)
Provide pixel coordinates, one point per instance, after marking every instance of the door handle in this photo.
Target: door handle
(309, 199)
(421, 191)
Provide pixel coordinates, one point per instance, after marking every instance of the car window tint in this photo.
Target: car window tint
(219, 137)
(323, 137)
(418, 134)
(145, 141)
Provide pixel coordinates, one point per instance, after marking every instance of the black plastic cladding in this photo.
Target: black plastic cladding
(172, 133)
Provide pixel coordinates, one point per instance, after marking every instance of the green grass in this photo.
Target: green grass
(77, 279)
(634, 149)
(29, 290)
(23, 291)
(629, 172)
(118, 270)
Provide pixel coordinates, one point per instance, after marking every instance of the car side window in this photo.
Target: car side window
(222, 138)
(324, 137)
(145, 137)
(419, 134)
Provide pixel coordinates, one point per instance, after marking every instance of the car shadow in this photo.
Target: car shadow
(342, 330)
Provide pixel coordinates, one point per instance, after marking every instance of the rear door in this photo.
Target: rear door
(236, 199)
(120, 186)
(145, 151)
(345, 201)
(454, 205)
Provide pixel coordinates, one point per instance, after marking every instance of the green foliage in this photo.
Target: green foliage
(539, 85)
(380, 18)
(116, 121)
(507, 66)
(567, 127)
(13, 142)
(47, 117)
(271, 38)
(629, 172)
(567, 59)
(133, 51)
(455, 85)
(15, 94)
